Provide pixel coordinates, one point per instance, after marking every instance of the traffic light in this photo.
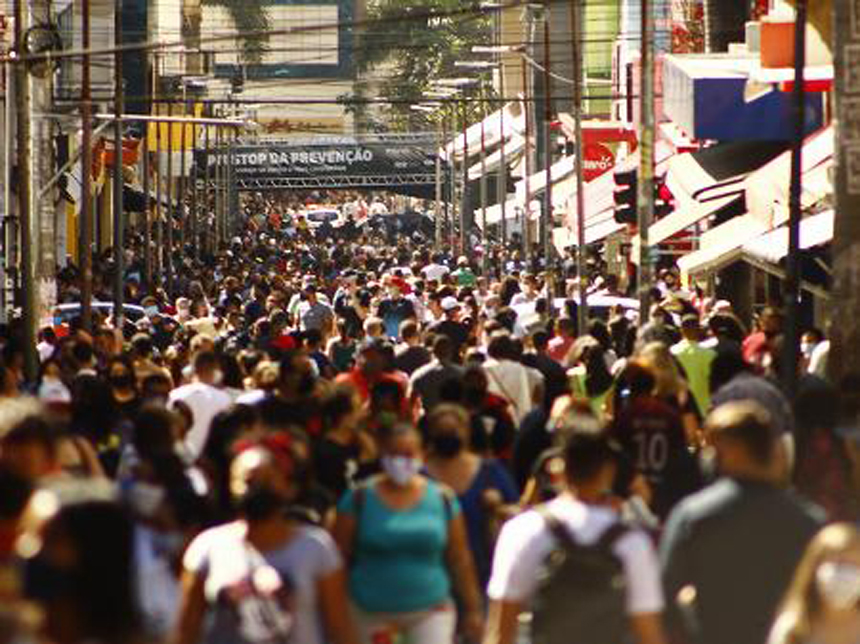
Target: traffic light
(664, 201)
(626, 196)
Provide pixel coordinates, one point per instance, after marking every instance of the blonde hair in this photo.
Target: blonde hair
(668, 379)
(802, 603)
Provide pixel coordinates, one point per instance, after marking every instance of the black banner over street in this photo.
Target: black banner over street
(404, 167)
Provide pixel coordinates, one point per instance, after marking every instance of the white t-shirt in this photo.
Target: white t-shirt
(435, 271)
(526, 541)
(229, 565)
(205, 402)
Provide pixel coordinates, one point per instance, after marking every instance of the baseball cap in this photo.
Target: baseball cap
(450, 303)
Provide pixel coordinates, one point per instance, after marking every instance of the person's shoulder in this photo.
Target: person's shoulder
(315, 537)
(215, 539)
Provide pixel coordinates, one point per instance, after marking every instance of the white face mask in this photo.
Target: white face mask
(839, 584)
(401, 469)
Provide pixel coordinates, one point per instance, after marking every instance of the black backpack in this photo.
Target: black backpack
(582, 592)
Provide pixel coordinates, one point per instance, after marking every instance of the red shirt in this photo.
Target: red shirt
(559, 347)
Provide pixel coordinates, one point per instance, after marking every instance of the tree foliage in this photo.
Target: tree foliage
(252, 22)
(414, 42)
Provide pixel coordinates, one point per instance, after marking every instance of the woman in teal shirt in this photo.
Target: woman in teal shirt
(405, 539)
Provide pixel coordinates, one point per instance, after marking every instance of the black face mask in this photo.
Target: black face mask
(447, 445)
(124, 381)
(260, 502)
(45, 582)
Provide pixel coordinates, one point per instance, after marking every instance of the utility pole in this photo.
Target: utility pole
(159, 224)
(463, 234)
(147, 214)
(845, 328)
(484, 238)
(170, 203)
(581, 250)
(502, 187)
(547, 222)
(10, 228)
(118, 215)
(646, 159)
(26, 217)
(439, 144)
(85, 245)
(182, 178)
(527, 157)
(791, 347)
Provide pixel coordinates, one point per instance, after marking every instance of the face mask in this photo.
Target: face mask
(806, 349)
(839, 584)
(401, 469)
(447, 445)
(218, 378)
(260, 502)
(145, 499)
(150, 311)
(44, 581)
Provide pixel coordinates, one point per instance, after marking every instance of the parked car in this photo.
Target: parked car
(64, 313)
(316, 217)
(398, 225)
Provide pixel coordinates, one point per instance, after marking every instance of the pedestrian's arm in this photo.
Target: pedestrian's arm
(191, 610)
(338, 621)
(647, 628)
(502, 622)
(462, 568)
(344, 534)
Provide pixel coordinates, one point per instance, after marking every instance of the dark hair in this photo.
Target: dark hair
(639, 378)
(408, 329)
(443, 348)
(336, 403)
(94, 410)
(540, 340)
(598, 330)
(153, 431)
(586, 452)
(725, 366)
(597, 376)
(82, 352)
(500, 346)
(14, 493)
(102, 536)
(232, 371)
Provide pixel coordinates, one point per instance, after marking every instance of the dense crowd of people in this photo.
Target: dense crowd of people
(361, 442)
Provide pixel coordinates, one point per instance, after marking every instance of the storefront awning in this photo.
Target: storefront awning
(717, 171)
(722, 245)
(509, 120)
(687, 216)
(772, 247)
(767, 189)
(513, 148)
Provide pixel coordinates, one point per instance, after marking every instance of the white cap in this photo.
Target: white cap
(450, 303)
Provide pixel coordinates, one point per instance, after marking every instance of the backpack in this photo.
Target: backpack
(582, 590)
